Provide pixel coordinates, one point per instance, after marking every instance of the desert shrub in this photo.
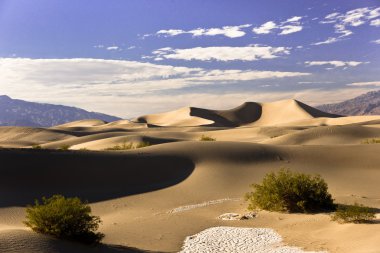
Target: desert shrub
(207, 138)
(83, 149)
(287, 191)
(354, 213)
(371, 141)
(36, 146)
(64, 147)
(124, 146)
(143, 144)
(67, 218)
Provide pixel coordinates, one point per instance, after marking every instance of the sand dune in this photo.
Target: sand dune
(248, 113)
(136, 191)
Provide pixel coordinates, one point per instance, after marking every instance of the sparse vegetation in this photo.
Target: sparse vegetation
(128, 146)
(287, 191)
(83, 149)
(142, 144)
(371, 141)
(354, 214)
(67, 218)
(36, 146)
(207, 138)
(64, 147)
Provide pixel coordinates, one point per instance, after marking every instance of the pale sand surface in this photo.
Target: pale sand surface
(244, 240)
(153, 198)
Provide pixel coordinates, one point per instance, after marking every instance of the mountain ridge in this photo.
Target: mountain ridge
(365, 104)
(17, 112)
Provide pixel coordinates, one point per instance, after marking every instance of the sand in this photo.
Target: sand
(153, 198)
(244, 240)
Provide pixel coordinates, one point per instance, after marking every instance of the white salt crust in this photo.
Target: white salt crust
(239, 240)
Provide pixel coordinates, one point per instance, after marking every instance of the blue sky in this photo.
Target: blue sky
(134, 57)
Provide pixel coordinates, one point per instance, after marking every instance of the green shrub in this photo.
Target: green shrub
(124, 146)
(143, 144)
(207, 138)
(287, 191)
(371, 141)
(36, 146)
(66, 218)
(64, 147)
(354, 213)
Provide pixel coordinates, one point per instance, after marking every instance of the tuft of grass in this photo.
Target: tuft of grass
(124, 146)
(287, 191)
(83, 149)
(371, 141)
(355, 213)
(64, 147)
(36, 146)
(129, 146)
(207, 138)
(66, 218)
(143, 144)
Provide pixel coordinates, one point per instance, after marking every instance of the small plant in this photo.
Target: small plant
(83, 149)
(371, 141)
(64, 147)
(67, 218)
(207, 138)
(353, 213)
(142, 144)
(124, 146)
(36, 146)
(287, 191)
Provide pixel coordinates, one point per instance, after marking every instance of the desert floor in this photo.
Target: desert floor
(152, 198)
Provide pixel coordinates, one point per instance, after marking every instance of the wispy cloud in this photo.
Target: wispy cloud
(248, 53)
(375, 22)
(112, 48)
(353, 18)
(288, 26)
(227, 31)
(376, 41)
(374, 83)
(97, 76)
(330, 40)
(334, 64)
(315, 82)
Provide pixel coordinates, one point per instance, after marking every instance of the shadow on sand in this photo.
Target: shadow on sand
(93, 176)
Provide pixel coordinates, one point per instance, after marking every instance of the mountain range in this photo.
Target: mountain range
(366, 104)
(15, 112)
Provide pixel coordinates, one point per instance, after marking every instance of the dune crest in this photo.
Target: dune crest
(252, 113)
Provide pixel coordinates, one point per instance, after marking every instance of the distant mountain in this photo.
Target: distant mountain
(15, 112)
(366, 104)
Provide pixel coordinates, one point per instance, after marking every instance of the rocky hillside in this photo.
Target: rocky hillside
(15, 112)
(366, 104)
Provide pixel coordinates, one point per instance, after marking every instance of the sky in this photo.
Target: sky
(129, 58)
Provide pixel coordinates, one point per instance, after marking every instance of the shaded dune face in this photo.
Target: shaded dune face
(91, 176)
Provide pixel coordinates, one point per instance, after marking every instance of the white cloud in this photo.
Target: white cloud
(227, 31)
(248, 53)
(352, 18)
(375, 83)
(334, 64)
(131, 47)
(99, 46)
(375, 22)
(112, 48)
(265, 28)
(376, 41)
(316, 82)
(101, 85)
(291, 25)
(330, 40)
